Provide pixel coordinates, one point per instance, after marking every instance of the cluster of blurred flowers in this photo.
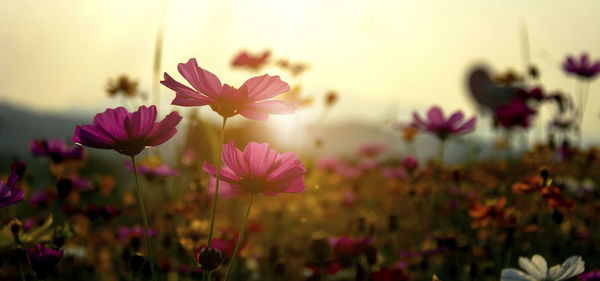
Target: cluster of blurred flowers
(373, 215)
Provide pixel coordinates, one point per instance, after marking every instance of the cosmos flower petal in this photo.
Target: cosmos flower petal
(261, 110)
(468, 126)
(183, 101)
(202, 80)
(226, 173)
(265, 87)
(512, 274)
(455, 118)
(181, 90)
(572, 267)
(260, 158)
(234, 159)
(92, 136)
(532, 268)
(164, 130)
(111, 121)
(226, 189)
(435, 116)
(140, 122)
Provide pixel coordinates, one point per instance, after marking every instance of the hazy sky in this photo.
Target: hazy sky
(379, 55)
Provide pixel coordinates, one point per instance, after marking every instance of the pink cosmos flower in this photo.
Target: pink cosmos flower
(443, 128)
(245, 59)
(250, 100)
(581, 66)
(127, 133)
(259, 169)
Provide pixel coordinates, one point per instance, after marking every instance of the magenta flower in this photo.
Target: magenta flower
(590, 276)
(581, 66)
(44, 260)
(56, 149)
(516, 113)
(410, 163)
(8, 193)
(250, 100)
(127, 133)
(259, 169)
(443, 128)
(137, 231)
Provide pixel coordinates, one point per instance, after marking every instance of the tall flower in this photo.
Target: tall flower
(44, 260)
(536, 269)
(260, 169)
(127, 133)
(443, 128)
(581, 66)
(8, 193)
(250, 100)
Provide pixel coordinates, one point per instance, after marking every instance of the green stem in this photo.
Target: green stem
(214, 207)
(206, 277)
(442, 150)
(143, 211)
(21, 273)
(240, 239)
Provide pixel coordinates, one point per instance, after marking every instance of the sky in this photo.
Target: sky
(380, 56)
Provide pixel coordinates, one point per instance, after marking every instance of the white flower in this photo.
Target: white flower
(536, 269)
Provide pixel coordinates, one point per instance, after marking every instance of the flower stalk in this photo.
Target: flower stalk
(143, 211)
(240, 239)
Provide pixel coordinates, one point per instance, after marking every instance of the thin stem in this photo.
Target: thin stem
(583, 101)
(214, 207)
(240, 239)
(21, 273)
(143, 211)
(207, 276)
(442, 150)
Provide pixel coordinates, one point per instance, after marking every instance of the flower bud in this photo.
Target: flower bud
(137, 261)
(209, 258)
(15, 226)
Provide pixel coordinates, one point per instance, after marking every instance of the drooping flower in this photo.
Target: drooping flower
(536, 269)
(443, 128)
(251, 100)
(581, 66)
(251, 61)
(9, 194)
(44, 260)
(259, 169)
(127, 133)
